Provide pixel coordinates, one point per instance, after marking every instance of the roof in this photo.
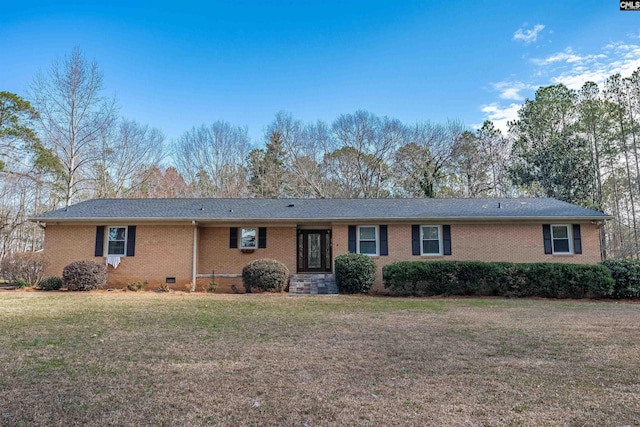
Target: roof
(227, 210)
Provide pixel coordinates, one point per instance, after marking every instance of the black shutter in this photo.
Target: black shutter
(131, 240)
(99, 240)
(262, 237)
(415, 239)
(233, 237)
(577, 239)
(446, 239)
(384, 244)
(352, 239)
(546, 235)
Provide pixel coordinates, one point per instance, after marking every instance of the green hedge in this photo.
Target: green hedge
(355, 273)
(626, 273)
(549, 280)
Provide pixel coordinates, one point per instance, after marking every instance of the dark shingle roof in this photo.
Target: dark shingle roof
(318, 209)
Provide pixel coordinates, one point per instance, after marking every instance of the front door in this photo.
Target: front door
(314, 251)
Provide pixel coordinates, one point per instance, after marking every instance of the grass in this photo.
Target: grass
(142, 358)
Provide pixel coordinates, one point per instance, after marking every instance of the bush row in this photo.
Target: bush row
(548, 280)
(626, 273)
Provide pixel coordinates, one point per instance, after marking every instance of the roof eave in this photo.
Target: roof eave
(332, 219)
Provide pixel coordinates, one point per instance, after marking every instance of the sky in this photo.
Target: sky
(175, 65)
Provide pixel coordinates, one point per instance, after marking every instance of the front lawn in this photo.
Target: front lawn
(123, 358)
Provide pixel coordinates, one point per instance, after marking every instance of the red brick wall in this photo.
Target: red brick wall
(166, 250)
(509, 242)
(161, 251)
(215, 254)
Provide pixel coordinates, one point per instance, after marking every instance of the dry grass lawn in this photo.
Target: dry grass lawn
(124, 358)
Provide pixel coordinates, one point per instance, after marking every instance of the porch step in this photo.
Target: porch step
(312, 284)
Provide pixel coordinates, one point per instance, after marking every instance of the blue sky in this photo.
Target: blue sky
(175, 65)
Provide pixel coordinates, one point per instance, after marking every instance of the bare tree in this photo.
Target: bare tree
(212, 159)
(370, 143)
(295, 151)
(421, 165)
(127, 152)
(73, 116)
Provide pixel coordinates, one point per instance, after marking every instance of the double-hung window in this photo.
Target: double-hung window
(248, 238)
(117, 241)
(431, 240)
(368, 240)
(561, 239)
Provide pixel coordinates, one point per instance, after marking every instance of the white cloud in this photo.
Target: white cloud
(528, 36)
(567, 56)
(511, 90)
(501, 116)
(571, 68)
(617, 58)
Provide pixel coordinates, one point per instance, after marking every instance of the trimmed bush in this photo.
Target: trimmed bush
(355, 273)
(84, 276)
(626, 273)
(265, 275)
(549, 280)
(52, 283)
(25, 267)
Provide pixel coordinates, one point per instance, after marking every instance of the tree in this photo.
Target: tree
(128, 150)
(300, 148)
(266, 169)
(157, 182)
(73, 116)
(548, 151)
(215, 154)
(420, 166)
(495, 150)
(618, 104)
(16, 131)
(370, 142)
(471, 166)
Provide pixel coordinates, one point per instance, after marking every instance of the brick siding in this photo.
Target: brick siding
(166, 250)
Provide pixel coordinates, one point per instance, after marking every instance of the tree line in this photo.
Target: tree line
(64, 142)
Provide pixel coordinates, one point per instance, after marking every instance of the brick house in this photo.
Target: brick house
(182, 241)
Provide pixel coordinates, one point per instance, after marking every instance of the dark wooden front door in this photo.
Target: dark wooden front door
(314, 251)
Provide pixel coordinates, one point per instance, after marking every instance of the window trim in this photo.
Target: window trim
(569, 239)
(107, 240)
(440, 240)
(377, 239)
(255, 242)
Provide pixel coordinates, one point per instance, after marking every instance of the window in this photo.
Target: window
(368, 240)
(248, 238)
(561, 239)
(117, 240)
(431, 240)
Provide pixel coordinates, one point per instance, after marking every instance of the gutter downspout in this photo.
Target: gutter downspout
(195, 255)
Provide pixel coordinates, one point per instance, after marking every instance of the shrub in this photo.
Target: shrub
(135, 286)
(355, 273)
(25, 267)
(21, 283)
(265, 275)
(84, 276)
(210, 287)
(626, 273)
(165, 288)
(52, 283)
(550, 280)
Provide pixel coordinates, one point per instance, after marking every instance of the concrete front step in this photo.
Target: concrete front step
(312, 284)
